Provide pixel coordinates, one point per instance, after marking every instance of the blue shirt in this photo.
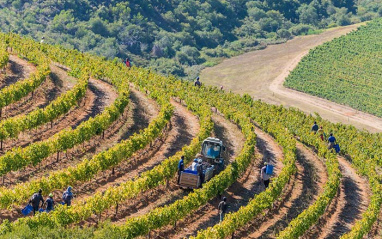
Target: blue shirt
(181, 165)
(332, 139)
(49, 204)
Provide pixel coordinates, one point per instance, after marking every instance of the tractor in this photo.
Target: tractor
(207, 164)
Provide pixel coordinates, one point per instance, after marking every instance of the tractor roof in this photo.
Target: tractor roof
(214, 140)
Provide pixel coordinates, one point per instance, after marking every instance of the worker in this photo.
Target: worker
(221, 88)
(199, 168)
(35, 201)
(127, 62)
(264, 176)
(67, 196)
(222, 207)
(197, 82)
(320, 132)
(331, 140)
(49, 203)
(314, 127)
(194, 165)
(180, 167)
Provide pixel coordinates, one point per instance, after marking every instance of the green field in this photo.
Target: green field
(346, 70)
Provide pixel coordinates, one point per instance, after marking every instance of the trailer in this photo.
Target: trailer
(192, 179)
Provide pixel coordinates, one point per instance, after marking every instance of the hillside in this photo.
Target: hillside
(176, 37)
(116, 135)
(346, 70)
(262, 74)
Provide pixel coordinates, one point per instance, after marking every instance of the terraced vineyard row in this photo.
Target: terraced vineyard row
(287, 126)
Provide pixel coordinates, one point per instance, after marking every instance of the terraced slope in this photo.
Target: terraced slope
(126, 168)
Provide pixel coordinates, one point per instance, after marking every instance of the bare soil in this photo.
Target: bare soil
(19, 69)
(16, 69)
(346, 208)
(55, 84)
(300, 192)
(96, 99)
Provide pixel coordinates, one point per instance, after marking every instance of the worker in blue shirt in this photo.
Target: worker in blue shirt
(314, 127)
(180, 167)
(332, 141)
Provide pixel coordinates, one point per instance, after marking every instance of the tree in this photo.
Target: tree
(307, 14)
(256, 13)
(283, 33)
(63, 21)
(98, 27)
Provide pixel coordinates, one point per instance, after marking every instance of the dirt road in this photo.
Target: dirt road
(262, 73)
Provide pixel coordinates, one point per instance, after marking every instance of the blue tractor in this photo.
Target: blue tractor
(207, 164)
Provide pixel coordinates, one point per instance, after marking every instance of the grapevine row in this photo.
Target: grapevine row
(298, 226)
(4, 55)
(18, 158)
(265, 199)
(169, 214)
(66, 139)
(333, 164)
(11, 127)
(20, 89)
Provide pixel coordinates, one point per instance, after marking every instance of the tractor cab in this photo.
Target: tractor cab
(212, 151)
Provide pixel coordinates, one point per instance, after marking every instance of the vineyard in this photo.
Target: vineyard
(345, 70)
(116, 134)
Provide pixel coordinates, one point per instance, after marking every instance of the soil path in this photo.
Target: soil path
(141, 111)
(231, 136)
(237, 194)
(346, 208)
(17, 69)
(57, 83)
(98, 96)
(49, 90)
(20, 69)
(303, 189)
(262, 73)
